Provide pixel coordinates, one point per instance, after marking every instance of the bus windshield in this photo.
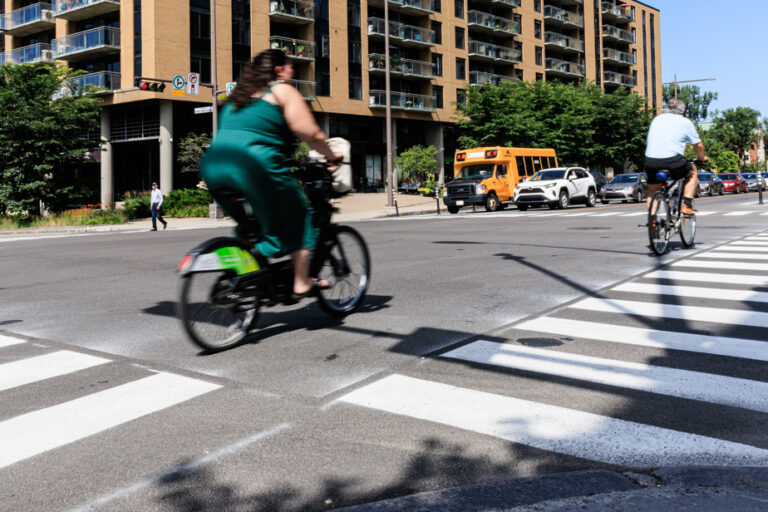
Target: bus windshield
(476, 171)
(551, 174)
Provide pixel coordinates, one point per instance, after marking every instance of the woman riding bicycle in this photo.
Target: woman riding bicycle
(249, 155)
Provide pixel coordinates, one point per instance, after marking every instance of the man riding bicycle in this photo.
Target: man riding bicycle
(667, 136)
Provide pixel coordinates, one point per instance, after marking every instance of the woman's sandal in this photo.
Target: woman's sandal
(313, 290)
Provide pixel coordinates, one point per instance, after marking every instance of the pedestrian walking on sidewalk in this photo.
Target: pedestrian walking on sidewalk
(156, 200)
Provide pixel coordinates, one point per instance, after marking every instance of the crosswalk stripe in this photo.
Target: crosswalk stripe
(708, 277)
(634, 214)
(704, 214)
(748, 244)
(719, 255)
(579, 214)
(548, 427)
(730, 265)
(693, 291)
(705, 387)
(758, 238)
(46, 366)
(670, 340)
(736, 214)
(39, 431)
(752, 249)
(7, 341)
(691, 313)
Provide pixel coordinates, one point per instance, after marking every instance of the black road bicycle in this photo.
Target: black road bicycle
(665, 217)
(224, 281)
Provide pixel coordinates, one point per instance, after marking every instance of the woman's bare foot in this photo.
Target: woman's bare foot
(320, 284)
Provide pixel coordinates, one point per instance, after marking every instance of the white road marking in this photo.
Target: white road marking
(724, 255)
(690, 313)
(7, 341)
(46, 366)
(548, 427)
(748, 244)
(718, 389)
(670, 340)
(729, 265)
(707, 277)
(609, 214)
(704, 214)
(736, 214)
(752, 249)
(39, 431)
(694, 291)
(635, 214)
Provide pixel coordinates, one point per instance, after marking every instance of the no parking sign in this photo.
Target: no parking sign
(193, 83)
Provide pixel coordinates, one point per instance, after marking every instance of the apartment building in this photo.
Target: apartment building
(437, 49)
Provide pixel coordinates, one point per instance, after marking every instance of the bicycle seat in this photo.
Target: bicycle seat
(662, 175)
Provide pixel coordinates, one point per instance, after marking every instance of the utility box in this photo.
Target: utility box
(215, 211)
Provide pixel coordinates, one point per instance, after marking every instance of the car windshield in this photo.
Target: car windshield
(476, 171)
(705, 177)
(550, 174)
(727, 176)
(625, 178)
(749, 176)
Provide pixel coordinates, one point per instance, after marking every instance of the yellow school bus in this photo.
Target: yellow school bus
(488, 176)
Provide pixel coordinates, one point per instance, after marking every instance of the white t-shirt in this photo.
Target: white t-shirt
(668, 134)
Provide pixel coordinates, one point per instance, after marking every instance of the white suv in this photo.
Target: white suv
(557, 188)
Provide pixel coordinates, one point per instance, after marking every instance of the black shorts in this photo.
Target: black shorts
(677, 168)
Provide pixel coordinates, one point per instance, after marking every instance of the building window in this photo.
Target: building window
(518, 22)
(519, 49)
(539, 77)
(200, 39)
(461, 96)
(537, 5)
(461, 69)
(460, 38)
(136, 38)
(519, 74)
(437, 64)
(539, 56)
(438, 28)
(645, 61)
(241, 35)
(322, 56)
(537, 29)
(355, 52)
(437, 96)
(436, 6)
(598, 53)
(458, 8)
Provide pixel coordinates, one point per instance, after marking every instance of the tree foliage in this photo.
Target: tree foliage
(583, 124)
(696, 102)
(737, 128)
(44, 137)
(191, 149)
(417, 162)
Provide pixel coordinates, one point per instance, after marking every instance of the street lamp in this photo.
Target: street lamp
(214, 85)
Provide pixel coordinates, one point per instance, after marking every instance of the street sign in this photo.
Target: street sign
(193, 83)
(179, 82)
(204, 110)
(230, 87)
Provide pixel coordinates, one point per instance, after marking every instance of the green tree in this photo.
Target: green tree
(191, 150)
(696, 102)
(622, 122)
(417, 162)
(737, 128)
(45, 122)
(727, 161)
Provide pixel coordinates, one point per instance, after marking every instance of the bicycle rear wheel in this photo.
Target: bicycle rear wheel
(214, 317)
(658, 223)
(687, 229)
(348, 269)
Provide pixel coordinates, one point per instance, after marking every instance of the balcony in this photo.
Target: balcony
(296, 49)
(563, 43)
(493, 53)
(292, 11)
(481, 78)
(616, 13)
(30, 54)
(401, 67)
(412, 7)
(613, 78)
(506, 3)
(76, 10)
(561, 17)
(617, 57)
(611, 33)
(406, 35)
(564, 68)
(104, 81)
(485, 22)
(87, 45)
(306, 88)
(29, 20)
(400, 101)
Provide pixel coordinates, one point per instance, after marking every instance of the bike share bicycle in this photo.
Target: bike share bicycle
(224, 281)
(665, 217)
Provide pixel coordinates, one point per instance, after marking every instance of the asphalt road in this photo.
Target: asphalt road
(417, 391)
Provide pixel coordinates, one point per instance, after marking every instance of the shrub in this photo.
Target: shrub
(186, 197)
(195, 210)
(137, 206)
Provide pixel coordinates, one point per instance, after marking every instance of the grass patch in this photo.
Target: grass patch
(89, 218)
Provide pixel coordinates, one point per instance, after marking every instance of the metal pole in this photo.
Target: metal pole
(388, 121)
(214, 83)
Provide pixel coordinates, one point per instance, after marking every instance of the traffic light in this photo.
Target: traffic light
(152, 85)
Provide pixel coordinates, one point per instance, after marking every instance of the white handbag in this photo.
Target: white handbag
(342, 174)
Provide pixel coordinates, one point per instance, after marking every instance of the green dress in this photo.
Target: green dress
(248, 154)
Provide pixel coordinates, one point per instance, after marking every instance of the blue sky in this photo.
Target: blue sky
(721, 39)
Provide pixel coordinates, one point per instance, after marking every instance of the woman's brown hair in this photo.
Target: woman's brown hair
(256, 75)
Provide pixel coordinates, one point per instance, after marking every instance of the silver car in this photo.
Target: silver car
(625, 187)
(752, 180)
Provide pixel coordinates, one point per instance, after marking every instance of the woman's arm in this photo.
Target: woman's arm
(301, 121)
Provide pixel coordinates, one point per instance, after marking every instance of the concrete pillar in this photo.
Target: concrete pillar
(166, 146)
(434, 136)
(107, 172)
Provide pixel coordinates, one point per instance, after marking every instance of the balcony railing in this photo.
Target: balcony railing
(507, 3)
(294, 48)
(563, 17)
(611, 32)
(490, 23)
(2, 23)
(292, 11)
(30, 19)
(75, 10)
(481, 77)
(306, 88)
(423, 6)
(87, 44)
(611, 77)
(105, 81)
(488, 51)
(568, 43)
(618, 57)
(562, 67)
(400, 101)
(31, 54)
(402, 67)
(404, 33)
(611, 11)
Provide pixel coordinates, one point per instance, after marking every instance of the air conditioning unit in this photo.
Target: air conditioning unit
(46, 56)
(46, 15)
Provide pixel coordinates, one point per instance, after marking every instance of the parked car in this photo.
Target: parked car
(626, 187)
(409, 186)
(556, 188)
(600, 180)
(733, 182)
(752, 180)
(710, 184)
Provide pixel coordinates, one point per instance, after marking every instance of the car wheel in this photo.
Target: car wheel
(698, 192)
(522, 207)
(453, 209)
(491, 202)
(638, 196)
(604, 201)
(562, 201)
(552, 206)
(591, 198)
(722, 190)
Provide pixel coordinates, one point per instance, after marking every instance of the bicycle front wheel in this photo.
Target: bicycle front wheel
(214, 317)
(658, 223)
(348, 269)
(687, 229)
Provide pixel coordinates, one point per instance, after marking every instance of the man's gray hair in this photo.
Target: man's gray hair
(675, 106)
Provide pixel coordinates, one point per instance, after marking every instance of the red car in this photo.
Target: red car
(733, 182)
